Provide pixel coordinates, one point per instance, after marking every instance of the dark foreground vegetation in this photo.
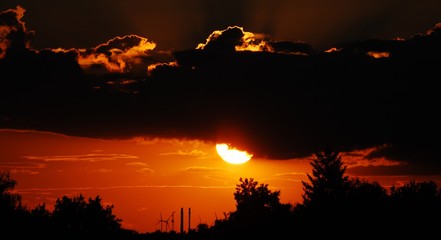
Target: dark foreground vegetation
(334, 206)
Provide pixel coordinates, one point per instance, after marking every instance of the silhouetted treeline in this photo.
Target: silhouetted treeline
(334, 206)
(72, 218)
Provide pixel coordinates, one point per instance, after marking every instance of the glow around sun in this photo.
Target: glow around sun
(232, 155)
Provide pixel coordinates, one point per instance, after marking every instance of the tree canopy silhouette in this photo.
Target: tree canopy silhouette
(72, 218)
(12, 212)
(328, 184)
(416, 206)
(8, 199)
(77, 216)
(254, 200)
(332, 201)
(258, 211)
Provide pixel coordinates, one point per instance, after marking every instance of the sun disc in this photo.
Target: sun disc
(232, 155)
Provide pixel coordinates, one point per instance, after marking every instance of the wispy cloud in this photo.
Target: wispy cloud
(122, 187)
(361, 158)
(22, 167)
(24, 171)
(82, 157)
(28, 165)
(146, 170)
(172, 141)
(137, 164)
(143, 167)
(9, 130)
(290, 174)
(193, 153)
(143, 209)
(199, 169)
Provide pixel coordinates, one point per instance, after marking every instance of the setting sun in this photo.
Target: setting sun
(232, 155)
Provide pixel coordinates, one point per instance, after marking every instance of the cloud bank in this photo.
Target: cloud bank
(277, 99)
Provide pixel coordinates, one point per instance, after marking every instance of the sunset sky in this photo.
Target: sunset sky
(128, 99)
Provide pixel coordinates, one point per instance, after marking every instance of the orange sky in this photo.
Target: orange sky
(141, 178)
(146, 178)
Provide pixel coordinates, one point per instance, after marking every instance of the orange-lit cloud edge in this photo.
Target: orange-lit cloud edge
(123, 53)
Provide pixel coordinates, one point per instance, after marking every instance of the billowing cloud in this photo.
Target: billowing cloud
(274, 102)
(119, 54)
(234, 38)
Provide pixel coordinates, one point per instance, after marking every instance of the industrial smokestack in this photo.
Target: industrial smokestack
(189, 214)
(182, 220)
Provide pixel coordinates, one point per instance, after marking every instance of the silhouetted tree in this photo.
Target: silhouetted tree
(77, 217)
(254, 200)
(8, 199)
(11, 210)
(365, 197)
(40, 222)
(259, 211)
(416, 207)
(72, 218)
(364, 208)
(328, 185)
(332, 201)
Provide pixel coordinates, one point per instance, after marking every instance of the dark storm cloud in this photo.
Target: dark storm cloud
(25, 70)
(271, 101)
(363, 94)
(13, 33)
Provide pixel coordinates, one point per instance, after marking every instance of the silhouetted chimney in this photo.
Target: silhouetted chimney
(182, 220)
(189, 213)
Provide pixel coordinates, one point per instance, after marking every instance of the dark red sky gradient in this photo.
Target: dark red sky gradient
(182, 25)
